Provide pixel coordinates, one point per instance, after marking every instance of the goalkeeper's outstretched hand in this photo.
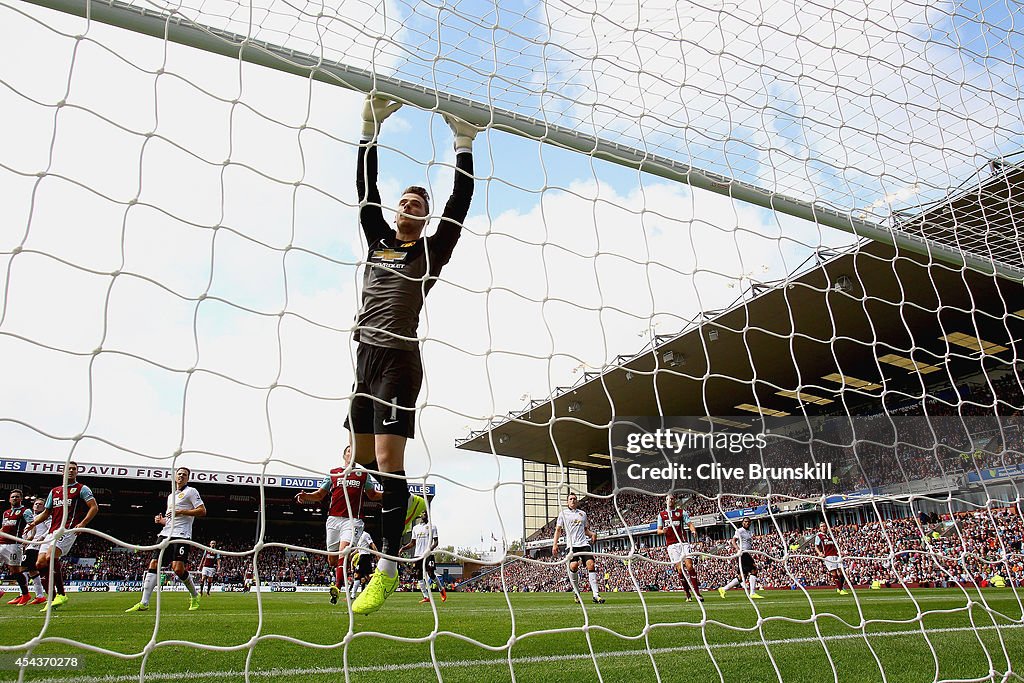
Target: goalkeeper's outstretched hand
(463, 130)
(376, 108)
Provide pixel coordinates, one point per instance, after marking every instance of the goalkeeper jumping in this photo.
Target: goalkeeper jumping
(402, 264)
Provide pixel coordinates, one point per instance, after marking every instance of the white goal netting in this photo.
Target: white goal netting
(713, 210)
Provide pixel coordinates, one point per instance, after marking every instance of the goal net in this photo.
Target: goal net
(794, 227)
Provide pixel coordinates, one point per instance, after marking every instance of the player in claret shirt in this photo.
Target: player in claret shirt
(69, 507)
(15, 519)
(679, 532)
(826, 549)
(209, 568)
(347, 486)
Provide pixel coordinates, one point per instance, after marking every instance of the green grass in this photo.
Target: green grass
(673, 645)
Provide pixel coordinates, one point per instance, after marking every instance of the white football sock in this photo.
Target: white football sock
(389, 567)
(187, 580)
(148, 584)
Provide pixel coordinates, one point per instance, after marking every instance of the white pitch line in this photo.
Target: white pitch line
(661, 600)
(467, 663)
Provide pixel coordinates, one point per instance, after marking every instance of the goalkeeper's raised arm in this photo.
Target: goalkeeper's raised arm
(414, 204)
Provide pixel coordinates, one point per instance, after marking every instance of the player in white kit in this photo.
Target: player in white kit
(743, 543)
(183, 506)
(362, 563)
(578, 537)
(35, 539)
(424, 537)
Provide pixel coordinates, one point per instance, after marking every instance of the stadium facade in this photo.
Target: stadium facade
(237, 503)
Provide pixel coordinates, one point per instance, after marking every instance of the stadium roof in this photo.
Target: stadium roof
(985, 219)
(817, 333)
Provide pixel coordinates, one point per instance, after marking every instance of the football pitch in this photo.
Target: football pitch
(300, 636)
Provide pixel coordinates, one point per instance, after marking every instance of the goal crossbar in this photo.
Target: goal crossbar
(181, 30)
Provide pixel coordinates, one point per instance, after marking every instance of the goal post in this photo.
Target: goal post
(178, 28)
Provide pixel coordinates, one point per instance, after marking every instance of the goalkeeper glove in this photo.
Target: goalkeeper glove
(376, 108)
(464, 132)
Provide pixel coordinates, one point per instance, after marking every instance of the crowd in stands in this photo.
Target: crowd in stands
(107, 561)
(867, 465)
(967, 548)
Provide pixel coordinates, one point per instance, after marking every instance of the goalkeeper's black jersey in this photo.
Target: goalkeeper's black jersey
(398, 275)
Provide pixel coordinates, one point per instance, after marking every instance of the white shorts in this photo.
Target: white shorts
(11, 555)
(64, 544)
(832, 562)
(677, 552)
(208, 572)
(342, 530)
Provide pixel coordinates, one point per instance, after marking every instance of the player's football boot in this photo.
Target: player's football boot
(21, 600)
(379, 589)
(424, 600)
(416, 507)
(193, 604)
(689, 599)
(38, 600)
(721, 591)
(576, 599)
(14, 601)
(842, 592)
(598, 600)
(55, 603)
(700, 598)
(444, 595)
(335, 594)
(757, 596)
(138, 607)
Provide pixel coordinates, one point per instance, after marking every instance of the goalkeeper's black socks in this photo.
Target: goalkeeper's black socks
(394, 504)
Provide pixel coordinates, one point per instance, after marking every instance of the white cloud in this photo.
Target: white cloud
(841, 103)
(146, 320)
